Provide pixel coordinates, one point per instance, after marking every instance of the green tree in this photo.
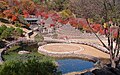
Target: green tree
(2, 28)
(30, 66)
(7, 33)
(19, 32)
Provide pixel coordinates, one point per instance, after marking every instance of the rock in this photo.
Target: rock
(102, 72)
(87, 73)
(23, 52)
(4, 20)
(114, 70)
(118, 67)
(42, 43)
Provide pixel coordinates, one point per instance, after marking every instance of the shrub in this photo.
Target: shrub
(30, 66)
(2, 28)
(7, 33)
(19, 31)
(39, 38)
(17, 24)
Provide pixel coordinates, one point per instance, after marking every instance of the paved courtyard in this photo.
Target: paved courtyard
(80, 49)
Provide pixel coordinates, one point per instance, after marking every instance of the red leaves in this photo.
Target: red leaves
(25, 13)
(52, 25)
(101, 31)
(114, 31)
(96, 27)
(73, 22)
(14, 18)
(8, 13)
(60, 20)
(46, 16)
(86, 28)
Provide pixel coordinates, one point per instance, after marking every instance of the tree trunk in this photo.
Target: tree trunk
(113, 64)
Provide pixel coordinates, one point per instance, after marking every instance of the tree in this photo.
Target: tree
(28, 5)
(86, 8)
(2, 28)
(7, 33)
(17, 33)
(110, 9)
(58, 5)
(113, 51)
(29, 65)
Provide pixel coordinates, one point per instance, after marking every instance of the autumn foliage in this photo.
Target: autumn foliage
(28, 7)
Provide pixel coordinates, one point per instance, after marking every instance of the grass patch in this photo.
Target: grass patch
(15, 56)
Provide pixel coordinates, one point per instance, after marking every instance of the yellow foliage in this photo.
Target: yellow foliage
(66, 14)
(105, 25)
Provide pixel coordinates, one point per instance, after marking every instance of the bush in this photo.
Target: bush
(7, 33)
(19, 31)
(13, 48)
(30, 66)
(39, 38)
(2, 28)
(17, 24)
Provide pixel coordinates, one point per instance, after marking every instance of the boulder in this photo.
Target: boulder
(114, 70)
(23, 52)
(102, 72)
(41, 43)
(87, 73)
(118, 67)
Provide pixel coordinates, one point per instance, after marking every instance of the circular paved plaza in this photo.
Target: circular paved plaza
(64, 48)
